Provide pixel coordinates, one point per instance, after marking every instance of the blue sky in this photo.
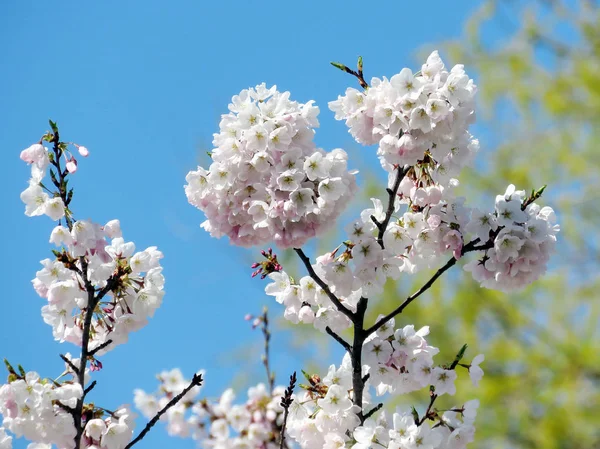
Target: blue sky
(142, 85)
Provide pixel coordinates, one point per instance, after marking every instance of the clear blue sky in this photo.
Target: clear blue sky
(142, 84)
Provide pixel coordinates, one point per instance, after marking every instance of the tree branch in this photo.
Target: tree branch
(89, 388)
(339, 339)
(99, 348)
(373, 411)
(323, 285)
(401, 172)
(286, 401)
(71, 365)
(471, 246)
(196, 381)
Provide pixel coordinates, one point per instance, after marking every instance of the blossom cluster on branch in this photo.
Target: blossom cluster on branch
(268, 181)
(218, 423)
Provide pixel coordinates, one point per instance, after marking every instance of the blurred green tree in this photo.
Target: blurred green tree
(540, 91)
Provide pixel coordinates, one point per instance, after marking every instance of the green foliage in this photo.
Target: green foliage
(541, 107)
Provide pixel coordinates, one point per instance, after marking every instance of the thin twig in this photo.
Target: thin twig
(71, 365)
(339, 339)
(382, 227)
(89, 388)
(471, 246)
(267, 337)
(286, 401)
(93, 352)
(428, 411)
(373, 411)
(323, 285)
(196, 381)
(358, 73)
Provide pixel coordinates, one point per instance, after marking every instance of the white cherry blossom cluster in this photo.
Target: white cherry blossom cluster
(267, 180)
(400, 361)
(324, 416)
(415, 240)
(130, 283)
(30, 408)
(412, 117)
(220, 424)
(113, 431)
(40, 410)
(524, 236)
(37, 201)
(453, 430)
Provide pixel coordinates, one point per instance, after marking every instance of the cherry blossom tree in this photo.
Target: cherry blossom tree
(268, 182)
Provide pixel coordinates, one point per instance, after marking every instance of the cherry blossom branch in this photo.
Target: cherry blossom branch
(323, 285)
(400, 173)
(99, 348)
(358, 73)
(339, 339)
(196, 381)
(60, 183)
(428, 414)
(89, 388)
(469, 247)
(360, 335)
(68, 362)
(89, 313)
(373, 411)
(267, 337)
(286, 401)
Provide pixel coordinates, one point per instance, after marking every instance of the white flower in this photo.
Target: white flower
(475, 372)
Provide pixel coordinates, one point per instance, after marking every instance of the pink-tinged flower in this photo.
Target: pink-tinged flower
(72, 165)
(83, 150)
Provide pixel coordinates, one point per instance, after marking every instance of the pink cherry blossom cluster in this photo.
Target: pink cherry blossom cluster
(453, 429)
(221, 424)
(397, 361)
(524, 237)
(360, 266)
(267, 180)
(39, 410)
(400, 361)
(131, 284)
(415, 116)
(37, 201)
(30, 407)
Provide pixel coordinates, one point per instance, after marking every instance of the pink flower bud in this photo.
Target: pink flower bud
(72, 166)
(248, 317)
(83, 150)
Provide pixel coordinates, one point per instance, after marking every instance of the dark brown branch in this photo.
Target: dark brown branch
(471, 246)
(71, 365)
(339, 339)
(87, 324)
(196, 381)
(286, 401)
(323, 285)
(94, 351)
(360, 335)
(401, 172)
(373, 411)
(358, 73)
(428, 414)
(89, 388)
(267, 337)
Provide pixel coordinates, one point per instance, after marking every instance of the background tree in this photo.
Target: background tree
(541, 95)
